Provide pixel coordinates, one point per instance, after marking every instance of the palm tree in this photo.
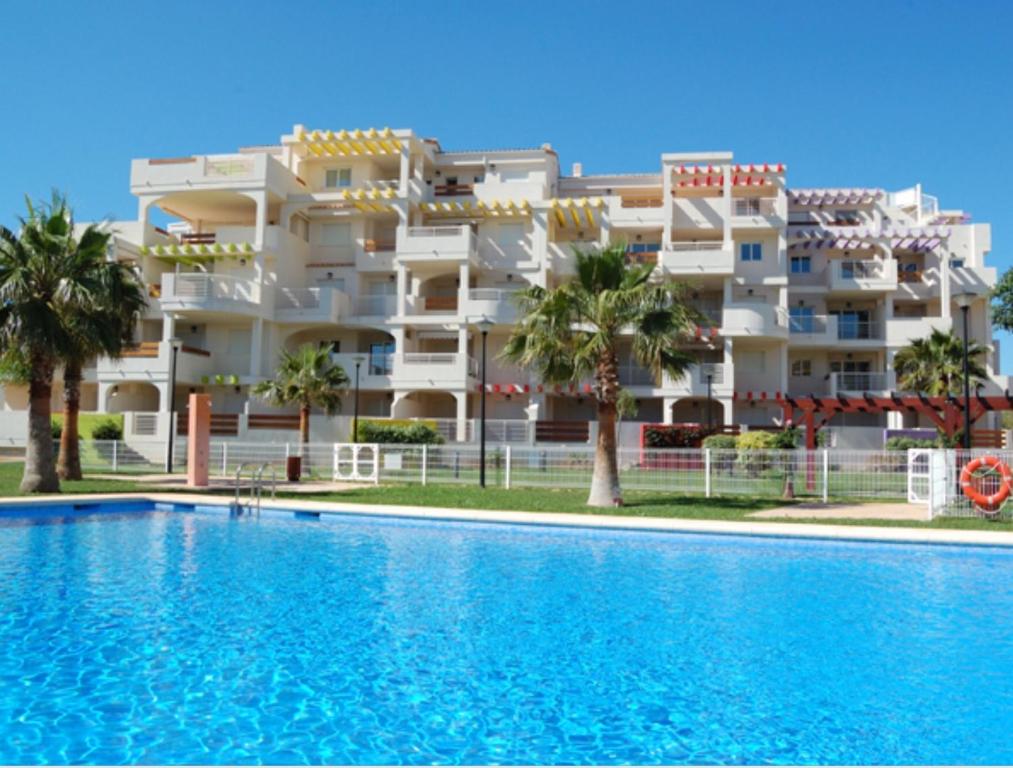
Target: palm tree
(308, 378)
(570, 333)
(934, 365)
(103, 327)
(46, 274)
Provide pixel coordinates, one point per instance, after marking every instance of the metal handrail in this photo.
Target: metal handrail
(259, 482)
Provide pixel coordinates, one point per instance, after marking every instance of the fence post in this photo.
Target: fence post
(425, 462)
(506, 479)
(707, 472)
(225, 458)
(286, 453)
(826, 475)
(115, 456)
(335, 475)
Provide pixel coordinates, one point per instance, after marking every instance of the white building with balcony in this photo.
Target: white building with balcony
(387, 249)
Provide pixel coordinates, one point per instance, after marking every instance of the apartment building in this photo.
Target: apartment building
(389, 249)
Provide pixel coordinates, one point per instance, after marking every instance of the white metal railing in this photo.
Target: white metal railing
(858, 330)
(430, 358)
(378, 305)
(753, 206)
(710, 245)
(492, 294)
(862, 381)
(228, 166)
(204, 286)
(297, 298)
(866, 269)
(808, 325)
(446, 231)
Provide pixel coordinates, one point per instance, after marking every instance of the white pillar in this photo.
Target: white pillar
(667, 404)
(256, 348)
(462, 416)
(402, 288)
(168, 326)
(463, 278)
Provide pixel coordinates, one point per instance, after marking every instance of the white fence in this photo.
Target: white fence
(927, 477)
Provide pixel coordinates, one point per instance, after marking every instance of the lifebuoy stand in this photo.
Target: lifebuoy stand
(198, 442)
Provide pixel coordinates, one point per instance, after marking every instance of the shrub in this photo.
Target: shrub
(786, 440)
(403, 433)
(673, 436)
(107, 430)
(756, 440)
(906, 443)
(57, 428)
(720, 442)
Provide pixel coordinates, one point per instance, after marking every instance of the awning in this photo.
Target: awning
(354, 143)
(576, 211)
(480, 208)
(834, 196)
(852, 238)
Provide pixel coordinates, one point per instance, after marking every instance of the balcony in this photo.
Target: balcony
(431, 369)
(431, 305)
(755, 212)
(858, 383)
(309, 305)
(695, 382)
(638, 211)
(863, 276)
(497, 304)
(976, 280)
(436, 244)
(755, 320)
(203, 292)
(634, 375)
(453, 190)
(151, 360)
(901, 331)
(206, 172)
(813, 331)
(698, 258)
(375, 306)
(376, 255)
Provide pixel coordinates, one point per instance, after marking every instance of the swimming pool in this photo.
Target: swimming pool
(135, 632)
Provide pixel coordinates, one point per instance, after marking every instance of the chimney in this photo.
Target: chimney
(578, 170)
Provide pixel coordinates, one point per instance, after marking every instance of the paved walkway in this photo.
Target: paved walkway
(871, 511)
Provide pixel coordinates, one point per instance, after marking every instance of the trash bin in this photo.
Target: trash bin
(293, 468)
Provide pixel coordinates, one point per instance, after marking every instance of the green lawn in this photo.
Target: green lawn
(10, 479)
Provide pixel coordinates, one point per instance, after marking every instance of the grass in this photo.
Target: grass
(10, 479)
(571, 500)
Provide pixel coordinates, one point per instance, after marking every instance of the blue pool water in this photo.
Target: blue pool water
(134, 634)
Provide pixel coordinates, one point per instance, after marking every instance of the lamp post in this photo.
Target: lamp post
(963, 300)
(175, 342)
(355, 407)
(484, 325)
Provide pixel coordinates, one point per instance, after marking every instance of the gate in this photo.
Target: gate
(928, 477)
(357, 462)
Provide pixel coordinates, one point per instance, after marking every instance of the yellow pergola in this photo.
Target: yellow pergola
(355, 143)
(370, 200)
(480, 208)
(577, 211)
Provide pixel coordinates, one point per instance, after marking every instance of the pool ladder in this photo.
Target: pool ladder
(256, 487)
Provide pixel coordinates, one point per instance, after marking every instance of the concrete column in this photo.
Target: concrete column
(782, 365)
(729, 408)
(667, 403)
(259, 232)
(666, 204)
(945, 287)
(462, 340)
(540, 244)
(462, 415)
(402, 288)
(163, 395)
(405, 170)
(726, 192)
(463, 278)
(256, 348)
(168, 326)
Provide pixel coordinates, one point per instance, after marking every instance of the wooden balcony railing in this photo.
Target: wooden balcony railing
(144, 349)
(272, 421)
(562, 431)
(379, 246)
(194, 351)
(441, 303)
(198, 238)
(449, 190)
(642, 202)
(222, 424)
(913, 276)
(643, 257)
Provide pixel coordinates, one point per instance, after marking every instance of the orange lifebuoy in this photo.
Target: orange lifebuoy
(992, 502)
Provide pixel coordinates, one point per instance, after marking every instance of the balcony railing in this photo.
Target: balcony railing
(439, 303)
(379, 246)
(862, 381)
(297, 298)
(754, 206)
(857, 330)
(696, 245)
(633, 375)
(808, 325)
(439, 359)
(492, 294)
(645, 201)
(452, 190)
(377, 305)
(199, 286)
(144, 349)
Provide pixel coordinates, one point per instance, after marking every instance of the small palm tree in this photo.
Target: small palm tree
(307, 378)
(570, 333)
(45, 273)
(934, 365)
(104, 326)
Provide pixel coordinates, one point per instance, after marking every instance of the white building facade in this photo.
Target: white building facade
(389, 250)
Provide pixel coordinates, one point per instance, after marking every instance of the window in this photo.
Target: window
(853, 324)
(381, 362)
(751, 362)
(338, 177)
(335, 233)
(801, 265)
(451, 181)
(750, 251)
(957, 263)
(802, 368)
(801, 320)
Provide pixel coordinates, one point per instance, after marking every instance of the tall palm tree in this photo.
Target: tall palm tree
(572, 332)
(102, 327)
(934, 365)
(45, 272)
(307, 378)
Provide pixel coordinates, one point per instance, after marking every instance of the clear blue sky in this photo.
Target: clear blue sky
(846, 93)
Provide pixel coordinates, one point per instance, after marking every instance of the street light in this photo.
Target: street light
(355, 407)
(963, 300)
(484, 325)
(175, 342)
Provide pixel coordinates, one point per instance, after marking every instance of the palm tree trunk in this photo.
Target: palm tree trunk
(605, 490)
(304, 436)
(40, 470)
(68, 466)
